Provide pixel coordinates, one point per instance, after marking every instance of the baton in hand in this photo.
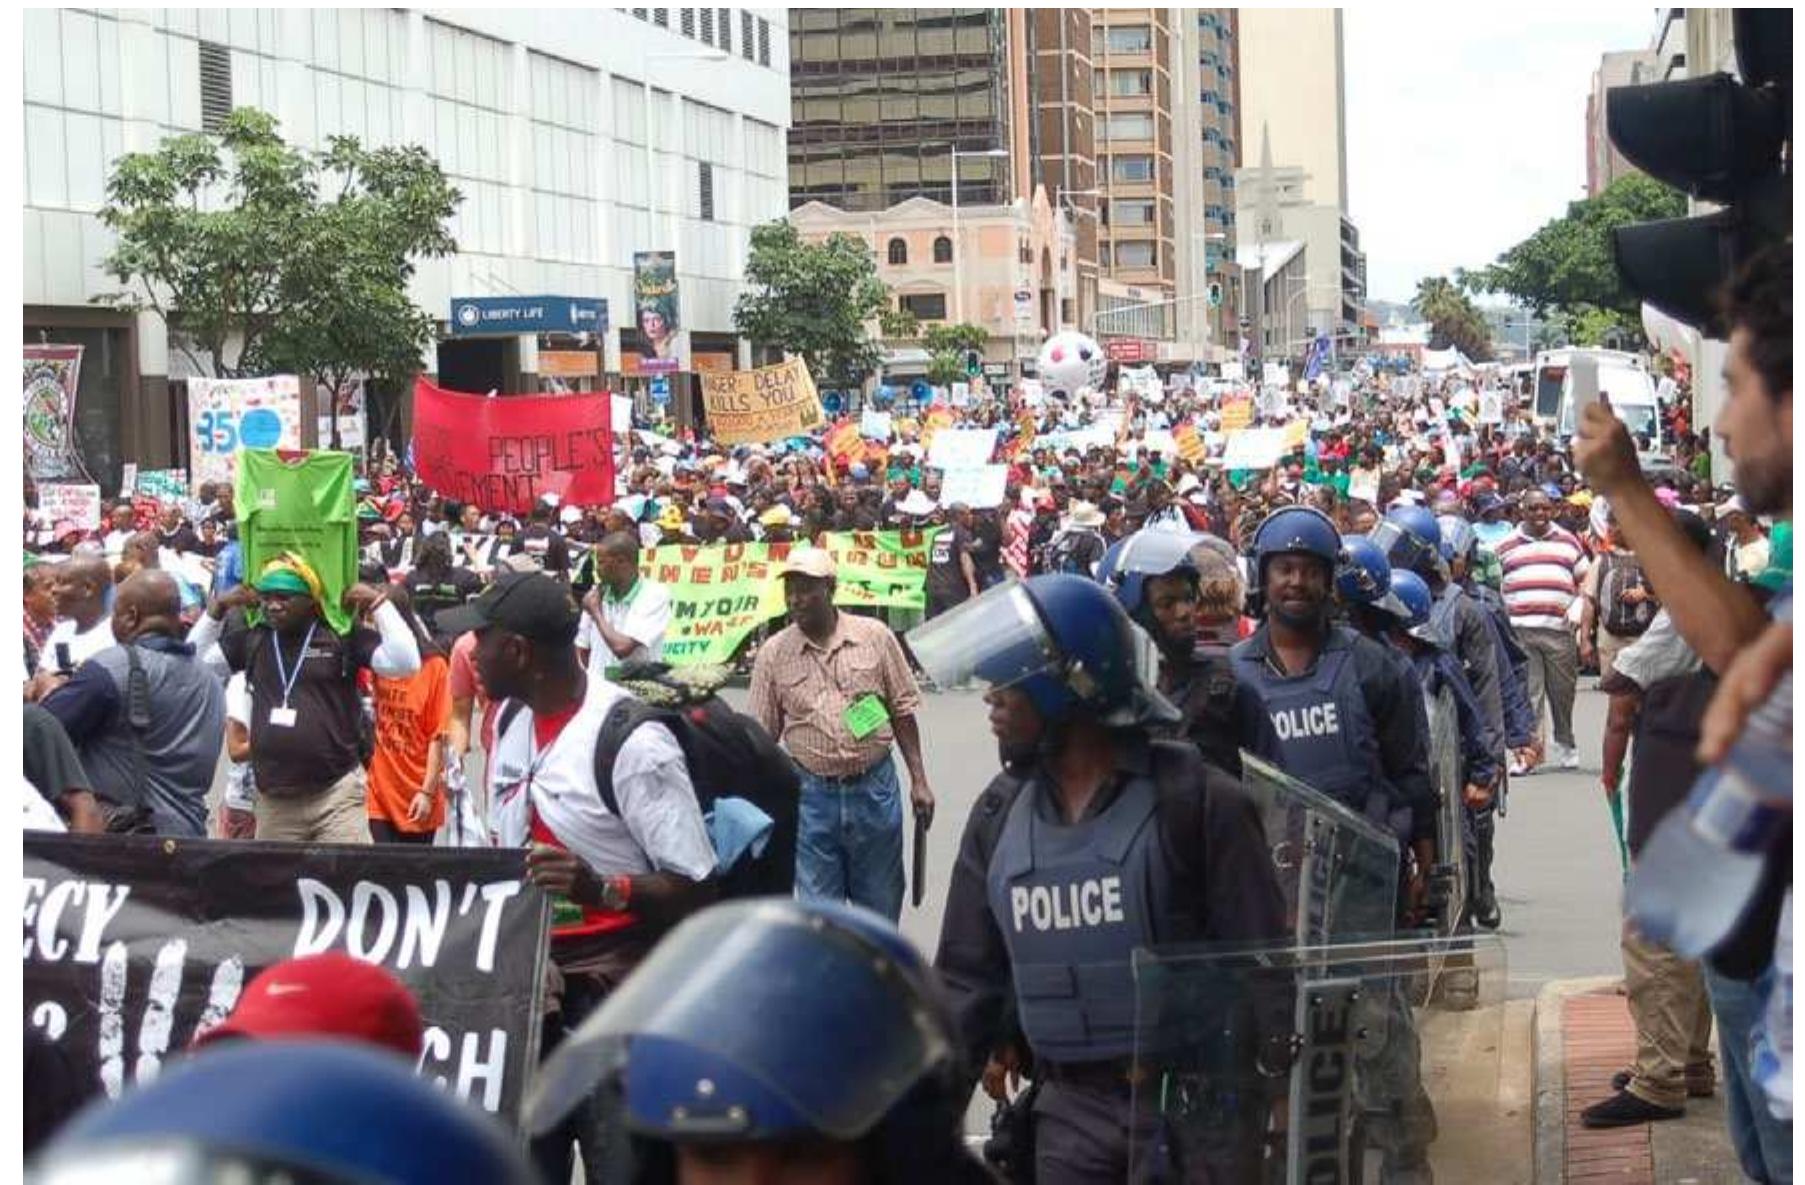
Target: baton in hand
(918, 871)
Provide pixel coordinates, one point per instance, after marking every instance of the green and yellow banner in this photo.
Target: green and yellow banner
(720, 593)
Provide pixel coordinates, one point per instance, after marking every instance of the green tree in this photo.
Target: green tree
(264, 258)
(814, 300)
(1453, 318)
(1566, 268)
(947, 346)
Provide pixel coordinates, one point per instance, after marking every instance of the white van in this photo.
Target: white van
(1623, 382)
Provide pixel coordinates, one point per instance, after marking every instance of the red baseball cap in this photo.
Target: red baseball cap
(328, 995)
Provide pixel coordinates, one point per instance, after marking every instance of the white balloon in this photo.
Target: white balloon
(1070, 361)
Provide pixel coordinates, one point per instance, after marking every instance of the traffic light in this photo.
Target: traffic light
(1723, 141)
(974, 363)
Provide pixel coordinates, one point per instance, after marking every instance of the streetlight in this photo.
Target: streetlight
(958, 248)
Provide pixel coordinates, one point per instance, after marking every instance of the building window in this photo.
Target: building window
(1135, 125)
(216, 85)
(747, 44)
(1130, 83)
(1105, 258)
(943, 250)
(686, 21)
(640, 13)
(764, 42)
(1134, 254)
(1130, 39)
(927, 306)
(1132, 212)
(705, 186)
(661, 17)
(899, 252)
(724, 22)
(1131, 168)
(707, 15)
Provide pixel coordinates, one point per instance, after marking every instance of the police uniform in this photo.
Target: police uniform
(1350, 726)
(1222, 715)
(1460, 619)
(1042, 917)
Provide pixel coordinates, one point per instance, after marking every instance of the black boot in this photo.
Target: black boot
(1484, 906)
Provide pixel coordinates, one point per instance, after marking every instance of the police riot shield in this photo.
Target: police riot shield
(1293, 1065)
(1448, 879)
(1339, 871)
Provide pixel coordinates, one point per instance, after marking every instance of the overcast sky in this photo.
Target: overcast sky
(1467, 131)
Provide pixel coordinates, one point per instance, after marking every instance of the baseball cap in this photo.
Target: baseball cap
(530, 604)
(809, 561)
(325, 995)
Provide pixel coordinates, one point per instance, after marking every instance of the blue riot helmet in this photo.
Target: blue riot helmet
(766, 1020)
(1365, 576)
(1151, 551)
(1296, 529)
(314, 1112)
(1413, 594)
(1062, 639)
(1410, 539)
(1458, 538)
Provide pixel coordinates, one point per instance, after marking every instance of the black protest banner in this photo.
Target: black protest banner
(135, 944)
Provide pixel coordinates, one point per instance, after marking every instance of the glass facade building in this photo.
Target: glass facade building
(879, 97)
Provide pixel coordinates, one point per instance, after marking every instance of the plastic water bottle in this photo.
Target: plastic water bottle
(1698, 874)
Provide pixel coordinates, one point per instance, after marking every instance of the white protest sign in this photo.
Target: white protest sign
(225, 415)
(979, 487)
(1491, 407)
(1451, 450)
(1254, 448)
(1033, 394)
(1363, 485)
(875, 425)
(1233, 372)
(962, 448)
(352, 428)
(72, 502)
(128, 478)
(961, 394)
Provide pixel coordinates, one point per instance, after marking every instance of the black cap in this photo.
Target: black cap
(530, 604)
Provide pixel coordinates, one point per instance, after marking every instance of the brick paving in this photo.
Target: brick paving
(1598, 1040)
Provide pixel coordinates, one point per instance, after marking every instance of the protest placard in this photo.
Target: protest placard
(876, 425)
(128, 478)
(754, 406)
(979, 487)
(1237, 412)
(1363, 485)
(503, 454)
(165, 485)
(71, 502)
(962, 448)
(226, 415)
(1254, 448)
(1491, 407)
(882, 568)
(1297, 432)
(134, 944)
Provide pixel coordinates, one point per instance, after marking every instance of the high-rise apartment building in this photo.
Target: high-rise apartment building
(1061, 145)
(1604, 164)
(1291, 76)
(1132, 64)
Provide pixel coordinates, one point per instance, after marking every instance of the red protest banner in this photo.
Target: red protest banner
(504, 453)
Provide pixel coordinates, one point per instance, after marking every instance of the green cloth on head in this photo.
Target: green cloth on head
(283, 581)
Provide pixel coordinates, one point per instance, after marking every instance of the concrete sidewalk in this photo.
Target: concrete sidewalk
(1582, 1036)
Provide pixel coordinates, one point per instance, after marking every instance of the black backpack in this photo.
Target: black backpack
(728, 753)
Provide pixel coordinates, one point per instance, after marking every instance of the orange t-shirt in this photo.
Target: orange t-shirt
(411, 715)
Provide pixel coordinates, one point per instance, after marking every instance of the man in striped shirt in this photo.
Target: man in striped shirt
(1543, 565)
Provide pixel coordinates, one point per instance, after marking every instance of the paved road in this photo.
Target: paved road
(1558, 876)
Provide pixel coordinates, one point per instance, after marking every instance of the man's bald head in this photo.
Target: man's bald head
(147, 601)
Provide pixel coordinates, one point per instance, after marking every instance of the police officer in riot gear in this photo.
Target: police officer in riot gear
(1351, 723)
(1155, 574)
(1095, 839)
(1347, 715)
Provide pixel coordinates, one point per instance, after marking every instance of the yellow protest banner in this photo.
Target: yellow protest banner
(753, 406)
(1296, 433)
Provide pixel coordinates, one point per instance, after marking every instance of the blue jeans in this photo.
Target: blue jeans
(849, 845)
(1763, 1143)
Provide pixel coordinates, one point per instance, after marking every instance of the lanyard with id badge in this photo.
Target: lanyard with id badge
(284, 716)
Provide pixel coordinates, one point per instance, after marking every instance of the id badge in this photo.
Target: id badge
(282, 717)
(865, 716)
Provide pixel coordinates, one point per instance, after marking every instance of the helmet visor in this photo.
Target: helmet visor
(148, 1160)
(815, 1015)
(1400, 547)
(997, 638)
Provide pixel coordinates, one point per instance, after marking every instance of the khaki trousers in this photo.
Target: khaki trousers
(336, 814)
(1672, 1014)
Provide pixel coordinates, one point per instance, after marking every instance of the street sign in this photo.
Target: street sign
(661, 390)
(476, 316)
(1129, 349)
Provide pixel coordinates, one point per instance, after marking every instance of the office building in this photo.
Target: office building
(1604, 164)
(1291, 74)
(578, 138)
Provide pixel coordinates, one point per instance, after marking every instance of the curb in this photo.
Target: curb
(1550, 1079)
